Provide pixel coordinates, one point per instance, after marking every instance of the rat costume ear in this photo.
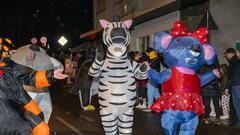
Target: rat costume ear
(128, 23)
(209, 54)
(161, 41)
(104, 23)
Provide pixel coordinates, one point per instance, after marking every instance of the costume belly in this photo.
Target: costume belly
(117, 90)
(180, 92)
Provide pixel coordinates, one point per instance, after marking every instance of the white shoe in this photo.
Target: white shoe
(147, 110)
(144, 106)
(141, 106)
(224, 117)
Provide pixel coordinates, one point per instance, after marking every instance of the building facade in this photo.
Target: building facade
(151, 16)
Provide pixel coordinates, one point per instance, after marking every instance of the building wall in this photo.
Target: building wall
(106, 13)
(226, 15)
(163, 23)
(124, 8)
(128, 8)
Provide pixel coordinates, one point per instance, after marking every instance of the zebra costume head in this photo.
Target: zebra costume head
(116, 35)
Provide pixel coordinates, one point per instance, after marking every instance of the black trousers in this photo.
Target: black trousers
(216, 103)
(141, 93)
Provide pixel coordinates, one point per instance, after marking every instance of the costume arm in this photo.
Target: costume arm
(207, 77)
(158, 78)
(32, 113)
(27, 76)
(35, 116)
(94, 70)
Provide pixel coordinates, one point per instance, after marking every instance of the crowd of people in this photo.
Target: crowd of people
(221, 97)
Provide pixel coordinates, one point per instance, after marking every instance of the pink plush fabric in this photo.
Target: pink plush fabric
(165, 41)
(208, 52)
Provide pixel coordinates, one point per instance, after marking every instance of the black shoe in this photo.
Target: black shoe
(217, 122)
(207, 120)
(237, 126)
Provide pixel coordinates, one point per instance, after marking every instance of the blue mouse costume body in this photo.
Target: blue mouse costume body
(180, 100)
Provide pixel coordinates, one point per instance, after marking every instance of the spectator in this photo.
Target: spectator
(68, 68)
(212, 92)
(81, 58)
(141, 85)
(234, 81)
(82, 85)
(225, 95)
(61, 57)
(152, 89)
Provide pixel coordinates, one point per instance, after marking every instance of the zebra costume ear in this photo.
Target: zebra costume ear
(128, 23)
(104, 23)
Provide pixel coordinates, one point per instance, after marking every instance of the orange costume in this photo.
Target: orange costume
(19, 114)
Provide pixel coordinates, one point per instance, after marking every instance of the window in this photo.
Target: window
(143, 43)
(127, 8)
(118, 2)
(101, 5)
(193, 16)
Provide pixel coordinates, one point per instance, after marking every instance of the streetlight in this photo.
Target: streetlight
(62, 40)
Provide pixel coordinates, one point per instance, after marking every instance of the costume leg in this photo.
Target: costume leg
(11, 122)
(150, 92)
(125, 123)
(169, 123)
(156, 93)
(109, 122)
(45, 104)
(189, 127)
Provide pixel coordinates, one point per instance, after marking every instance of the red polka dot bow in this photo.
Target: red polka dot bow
(181, 30)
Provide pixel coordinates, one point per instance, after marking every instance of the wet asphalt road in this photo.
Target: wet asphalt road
(68, 118)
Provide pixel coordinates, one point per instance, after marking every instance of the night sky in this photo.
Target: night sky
(23, 19)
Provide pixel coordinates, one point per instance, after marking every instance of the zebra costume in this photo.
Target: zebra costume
(117, 90)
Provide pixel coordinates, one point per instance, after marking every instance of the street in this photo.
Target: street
(69, 119)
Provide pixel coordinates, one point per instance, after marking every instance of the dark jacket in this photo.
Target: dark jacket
(155, 64)
(234, 72)
(224, 77)
(212, 89)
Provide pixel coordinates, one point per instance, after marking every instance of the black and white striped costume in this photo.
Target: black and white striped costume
(117, 90)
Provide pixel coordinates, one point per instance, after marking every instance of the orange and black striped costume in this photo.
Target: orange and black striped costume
(19, 114)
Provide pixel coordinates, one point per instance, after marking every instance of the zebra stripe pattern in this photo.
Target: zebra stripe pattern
(117, 90)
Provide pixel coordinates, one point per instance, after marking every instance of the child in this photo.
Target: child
(225, 95)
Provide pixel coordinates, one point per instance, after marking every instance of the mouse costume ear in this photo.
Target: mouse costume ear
(161, 41)
(209, 54)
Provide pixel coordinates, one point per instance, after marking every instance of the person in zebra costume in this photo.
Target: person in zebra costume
(117, 90)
